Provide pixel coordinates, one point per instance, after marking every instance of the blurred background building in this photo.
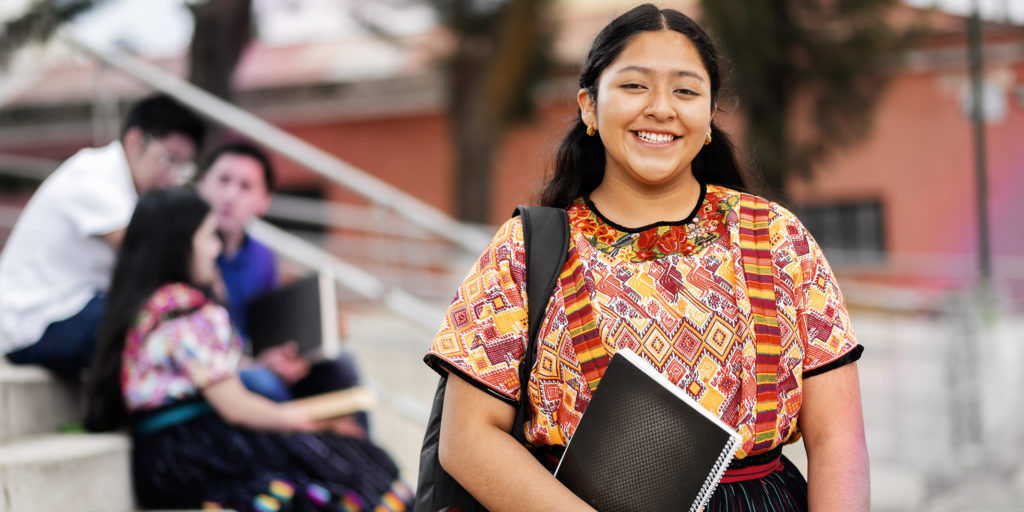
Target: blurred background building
(461, 105)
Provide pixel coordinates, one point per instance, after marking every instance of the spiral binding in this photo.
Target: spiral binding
(715, 476)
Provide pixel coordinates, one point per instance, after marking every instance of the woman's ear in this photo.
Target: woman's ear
(588, 113)
(134, 142)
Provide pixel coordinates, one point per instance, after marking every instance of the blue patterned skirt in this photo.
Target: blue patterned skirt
(204, 461)
(782, 490)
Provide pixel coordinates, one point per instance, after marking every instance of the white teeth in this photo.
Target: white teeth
(657, 138)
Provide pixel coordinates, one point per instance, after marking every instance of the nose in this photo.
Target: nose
(659, 106)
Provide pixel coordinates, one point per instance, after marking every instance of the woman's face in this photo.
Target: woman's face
(205, 248)
(653, 110)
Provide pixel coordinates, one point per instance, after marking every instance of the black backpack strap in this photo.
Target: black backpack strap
(546, 240)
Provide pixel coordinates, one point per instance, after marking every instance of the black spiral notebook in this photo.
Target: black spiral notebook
(304, 311)
(644, 444)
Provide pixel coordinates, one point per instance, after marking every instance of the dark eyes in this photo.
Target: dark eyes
(687, 92)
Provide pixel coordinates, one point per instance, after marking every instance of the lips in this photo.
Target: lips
(654, 137)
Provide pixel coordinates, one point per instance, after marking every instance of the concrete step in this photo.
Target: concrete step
(33, 401)
(60, 472)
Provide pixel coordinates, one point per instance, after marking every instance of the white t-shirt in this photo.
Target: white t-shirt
(54, 261)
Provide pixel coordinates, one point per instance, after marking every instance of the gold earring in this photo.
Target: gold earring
(707, 140)
(591, 130)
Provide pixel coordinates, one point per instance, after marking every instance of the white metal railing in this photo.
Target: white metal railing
(355, 279)
(402, 252)
(339, 215)
(379, 193)
(292, 147)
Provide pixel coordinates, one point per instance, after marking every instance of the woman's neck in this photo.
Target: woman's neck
(632, 206)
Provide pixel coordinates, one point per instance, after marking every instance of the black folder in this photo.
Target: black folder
(644, 444)
(304, 311)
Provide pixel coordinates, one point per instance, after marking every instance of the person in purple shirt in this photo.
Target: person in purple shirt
(237, 181)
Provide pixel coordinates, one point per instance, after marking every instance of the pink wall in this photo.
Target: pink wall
(919, 162)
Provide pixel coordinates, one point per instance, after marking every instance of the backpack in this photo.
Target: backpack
(546, 239)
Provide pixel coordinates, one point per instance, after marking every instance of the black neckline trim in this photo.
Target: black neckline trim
(693, 213)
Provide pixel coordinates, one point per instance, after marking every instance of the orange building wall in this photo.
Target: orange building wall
(415, 155)
(920, 162)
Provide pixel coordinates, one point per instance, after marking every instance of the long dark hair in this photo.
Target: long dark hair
(156, 250)
(579, 164)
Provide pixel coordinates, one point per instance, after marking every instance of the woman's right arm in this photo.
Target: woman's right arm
(241, 407)
(477, 450)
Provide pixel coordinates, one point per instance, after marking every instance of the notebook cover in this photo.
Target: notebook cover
(292, 312)
(643, 444)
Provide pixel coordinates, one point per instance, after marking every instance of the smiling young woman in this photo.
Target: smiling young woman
(659, 230)
(653, 112)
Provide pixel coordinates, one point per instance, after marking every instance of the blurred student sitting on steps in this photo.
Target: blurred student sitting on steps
(237, 181)
(167, 365)
(55, 267)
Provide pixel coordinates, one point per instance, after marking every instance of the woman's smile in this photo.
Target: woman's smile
(652, 111)
(658, 139)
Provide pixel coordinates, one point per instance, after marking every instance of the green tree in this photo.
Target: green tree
(39, 22)
(501, 53)
(222, 30)
(817, 64)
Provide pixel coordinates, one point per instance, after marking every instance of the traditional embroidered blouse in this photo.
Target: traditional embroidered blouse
(180, 343)
(675, 293)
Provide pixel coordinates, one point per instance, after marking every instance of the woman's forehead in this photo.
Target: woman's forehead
(662, 51)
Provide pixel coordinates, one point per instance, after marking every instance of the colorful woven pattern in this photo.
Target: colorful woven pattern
(170, 355)
(591, 354)
(756, 251)
(395, 498)
(677, 294)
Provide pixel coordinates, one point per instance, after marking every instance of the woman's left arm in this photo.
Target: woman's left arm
(833, 431)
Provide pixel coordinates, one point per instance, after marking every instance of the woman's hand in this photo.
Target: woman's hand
(478, 451)
(285, 361)
(347, 426)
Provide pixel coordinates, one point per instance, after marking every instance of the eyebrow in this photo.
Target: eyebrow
(646, 70)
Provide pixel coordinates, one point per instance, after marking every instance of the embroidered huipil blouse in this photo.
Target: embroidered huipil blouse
(180, 343)
(673, 292)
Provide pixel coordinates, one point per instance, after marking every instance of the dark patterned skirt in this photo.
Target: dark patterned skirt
(205, 462)
(783, 490)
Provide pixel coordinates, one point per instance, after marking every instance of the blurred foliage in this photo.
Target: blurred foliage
(222, 31)
(502, 52)
(820, 65)
(223, 28)
(39, 22)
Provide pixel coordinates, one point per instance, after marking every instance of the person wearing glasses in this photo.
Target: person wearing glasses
(55, 267)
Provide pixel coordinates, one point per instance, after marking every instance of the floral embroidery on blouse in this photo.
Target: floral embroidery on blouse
(691, 317)
(180, 343)
(705, 228)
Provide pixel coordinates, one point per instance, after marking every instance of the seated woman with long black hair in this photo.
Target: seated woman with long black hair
(167, 365)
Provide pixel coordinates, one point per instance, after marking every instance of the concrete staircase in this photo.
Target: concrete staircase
(44, 470)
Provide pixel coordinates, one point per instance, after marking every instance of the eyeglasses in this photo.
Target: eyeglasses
(169, 161)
